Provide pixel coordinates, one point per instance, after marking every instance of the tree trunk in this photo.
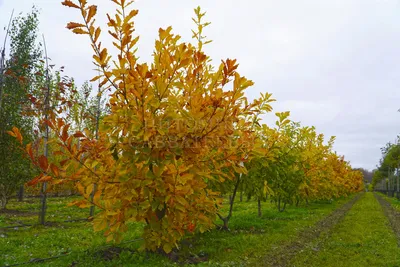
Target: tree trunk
(241, 195)
(279, 203)
(297, 202)
(21, 193)
(225, 226)
(4, 201)
(98, 111)
(232, 200)
(284, 207)
(248, 198)
(259, 207)
(92, 208)
(43, 190)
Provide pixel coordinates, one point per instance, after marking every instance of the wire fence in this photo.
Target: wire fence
(389, 186)
(390, 193)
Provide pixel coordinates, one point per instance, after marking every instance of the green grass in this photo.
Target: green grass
(250, 236)
(363, 238)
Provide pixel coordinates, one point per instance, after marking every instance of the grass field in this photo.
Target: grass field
(363, 238)
(250, 237)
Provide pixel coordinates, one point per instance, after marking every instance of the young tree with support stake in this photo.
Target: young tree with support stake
(178, 131)
(173, 126)
(16, 75)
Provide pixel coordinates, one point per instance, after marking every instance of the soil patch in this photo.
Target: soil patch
(111, 253)
(284, 254)
(392, 214)
(20, 213)
(184, 256)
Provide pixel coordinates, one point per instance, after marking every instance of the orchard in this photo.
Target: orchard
(176, 136)
(173, 144)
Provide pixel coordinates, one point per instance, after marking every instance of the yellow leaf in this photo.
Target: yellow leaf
(167, 247)
(79, 31)
(110, 238)
(96, 78)
(181, 200)
(97, 34)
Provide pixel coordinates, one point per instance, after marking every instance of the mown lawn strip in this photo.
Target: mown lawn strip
(363, 238)
(283, 255)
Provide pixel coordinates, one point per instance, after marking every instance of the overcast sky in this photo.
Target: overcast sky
(334, 64)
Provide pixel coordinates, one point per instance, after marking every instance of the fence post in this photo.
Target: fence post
(387, 186)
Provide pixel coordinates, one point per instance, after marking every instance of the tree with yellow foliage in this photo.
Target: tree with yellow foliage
(174, 125)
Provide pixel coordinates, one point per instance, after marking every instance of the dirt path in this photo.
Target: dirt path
(392, 214)
(282, 256)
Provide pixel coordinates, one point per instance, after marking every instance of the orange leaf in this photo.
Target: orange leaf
(49, 123)
(69, 3)
(43, 163)
(73, 203)
(96, 196)
(63, 162)
(12, 133)
(45, 179)
(9, 72)
(29, 150)
(58, 153)
(73, 25)
(55, 169)
(16, 133)
(80, 188)
(92, 12)
(191, 227)
(84, 204)
(79, 134)
(34, 181)
(64, 135)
